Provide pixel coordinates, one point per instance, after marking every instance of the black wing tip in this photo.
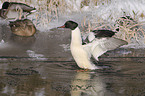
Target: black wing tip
(103, 33)
(106, 30)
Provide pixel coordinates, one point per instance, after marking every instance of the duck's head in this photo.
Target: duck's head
(5, 5)
(70, 24)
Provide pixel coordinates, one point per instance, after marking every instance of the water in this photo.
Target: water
(60, 78)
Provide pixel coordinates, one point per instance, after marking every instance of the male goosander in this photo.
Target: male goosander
(14, 10)
(23, 27)
(97, 46)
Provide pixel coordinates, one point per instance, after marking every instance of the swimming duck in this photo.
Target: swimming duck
(14, 10)
(23, 27)
(98, 46)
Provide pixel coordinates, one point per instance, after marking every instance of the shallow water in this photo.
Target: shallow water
(36, 66)
(29, 77)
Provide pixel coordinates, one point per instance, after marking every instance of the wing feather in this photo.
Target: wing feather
(100, 46)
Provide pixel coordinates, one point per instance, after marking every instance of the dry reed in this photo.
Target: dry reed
(128, 30)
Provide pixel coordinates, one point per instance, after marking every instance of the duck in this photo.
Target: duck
(99, 45)
(23, 27)
(15, 10)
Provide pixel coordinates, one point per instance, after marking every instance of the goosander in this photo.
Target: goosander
(12, 10)
(23, 27)
(97, 46)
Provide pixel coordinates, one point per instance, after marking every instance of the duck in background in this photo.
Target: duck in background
(18, 11)
(23, 27)
(14, 10)
(98, 46)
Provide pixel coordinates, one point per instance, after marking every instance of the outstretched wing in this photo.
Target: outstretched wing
(100, 46)
(103, 33)
(98, 34)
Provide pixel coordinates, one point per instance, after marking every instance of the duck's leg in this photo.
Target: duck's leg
(82, 70)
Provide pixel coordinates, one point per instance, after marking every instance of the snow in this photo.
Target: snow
(109, 12)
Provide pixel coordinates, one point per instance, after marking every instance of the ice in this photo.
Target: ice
(34, 55)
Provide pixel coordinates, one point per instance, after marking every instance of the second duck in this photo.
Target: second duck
(23, 27)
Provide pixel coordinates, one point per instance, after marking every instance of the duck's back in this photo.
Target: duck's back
(23, 27)
(24, 7)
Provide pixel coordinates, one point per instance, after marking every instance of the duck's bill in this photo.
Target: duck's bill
(61, 26)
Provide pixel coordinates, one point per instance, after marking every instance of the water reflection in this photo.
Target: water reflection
(89, 84)
(80, 83)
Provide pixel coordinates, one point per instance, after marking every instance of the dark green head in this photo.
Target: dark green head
(70, 24)
(5, 5)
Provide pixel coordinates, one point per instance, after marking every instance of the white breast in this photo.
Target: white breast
(80, 55)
